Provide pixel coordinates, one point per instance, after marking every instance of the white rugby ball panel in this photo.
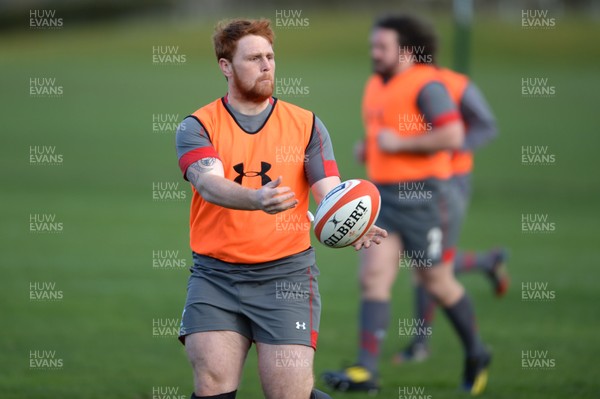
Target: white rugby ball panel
(334, 195)
(346, 213)
(344, 225)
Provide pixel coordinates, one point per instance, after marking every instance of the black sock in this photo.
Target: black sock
(316, 394)
(228, 395)
(462, 317)
(374, 320)
(424, 310)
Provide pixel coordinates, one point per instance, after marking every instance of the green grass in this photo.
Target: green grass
(102, 329)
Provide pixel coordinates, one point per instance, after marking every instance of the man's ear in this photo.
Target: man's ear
(226, 67)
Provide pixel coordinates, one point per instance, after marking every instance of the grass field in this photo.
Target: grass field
(102, 260)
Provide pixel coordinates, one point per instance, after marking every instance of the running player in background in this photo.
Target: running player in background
(480, 129)
(228, 150)
(411, 124)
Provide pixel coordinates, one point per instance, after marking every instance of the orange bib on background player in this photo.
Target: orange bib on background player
(393, 105)
(252, 160)
(456, 83)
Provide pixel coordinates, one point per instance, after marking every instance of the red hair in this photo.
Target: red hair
(229, 32)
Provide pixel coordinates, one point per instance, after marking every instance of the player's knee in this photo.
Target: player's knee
(375, 289)
(443, 287)
(288, 391)
(366, 279)
(434, 282)
(286, 382)
(376, 281)
(436, 291)
(213, 383)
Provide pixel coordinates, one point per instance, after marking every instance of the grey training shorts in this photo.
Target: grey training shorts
(275, 302)
(426, 215)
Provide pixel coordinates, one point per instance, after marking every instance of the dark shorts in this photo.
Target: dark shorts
(275, 302)
(426, 215)
(462, 184)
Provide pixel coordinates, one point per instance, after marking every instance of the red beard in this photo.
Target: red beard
(258, 92)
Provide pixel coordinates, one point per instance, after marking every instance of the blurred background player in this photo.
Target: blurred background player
(480, 129)
(228, 152)
(411, 124)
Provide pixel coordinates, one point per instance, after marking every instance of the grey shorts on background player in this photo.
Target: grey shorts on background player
(462, 184)
(274, 302)
(426, 215)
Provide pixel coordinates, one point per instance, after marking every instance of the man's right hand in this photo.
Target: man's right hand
(272, 199)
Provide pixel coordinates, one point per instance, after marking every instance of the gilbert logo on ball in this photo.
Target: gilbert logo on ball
(346, 213)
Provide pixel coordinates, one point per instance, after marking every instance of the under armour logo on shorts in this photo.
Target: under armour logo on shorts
(300, 325)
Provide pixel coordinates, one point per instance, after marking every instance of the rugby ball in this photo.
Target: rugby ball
(346, 213)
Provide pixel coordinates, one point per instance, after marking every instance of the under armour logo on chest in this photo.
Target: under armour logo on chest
(264, 168)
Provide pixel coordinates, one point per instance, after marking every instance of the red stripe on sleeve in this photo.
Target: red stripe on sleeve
(331, 168)
(195, 155)
(448, 117)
